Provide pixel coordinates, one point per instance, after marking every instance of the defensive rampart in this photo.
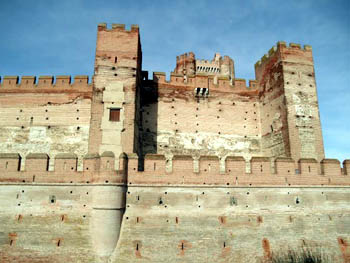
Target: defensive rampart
(190, 82)
(96, 169)
(13, 84)
(208, 170)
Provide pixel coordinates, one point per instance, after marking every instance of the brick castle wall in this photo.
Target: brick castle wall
(198, 167)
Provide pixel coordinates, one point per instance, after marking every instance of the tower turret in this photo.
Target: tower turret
(186, 64)
(289, 71)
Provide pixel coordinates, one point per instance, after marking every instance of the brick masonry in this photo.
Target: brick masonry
(198, 168)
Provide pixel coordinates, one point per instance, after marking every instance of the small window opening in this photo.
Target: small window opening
(160, 201)
(198, 91)
(137, 219)
(224, 244)
(176, 220)
(154, 166)
(114, 115)
(261, 168)
(11, 242)
(271, 128)
(115, 59)
(182, 246)
(309, 169)
(204, 91)
(297, 201)
(137, 246)
(52, 199)
(59, 242)
(7, 164)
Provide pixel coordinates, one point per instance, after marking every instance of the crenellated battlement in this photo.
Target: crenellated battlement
(281, 47)
(221, 83)
(210, 170)
(181, 169)
(189, 55)
(42, 83)
(117, 27)
(223, 160)
(96, 168)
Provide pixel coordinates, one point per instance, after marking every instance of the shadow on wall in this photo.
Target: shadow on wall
(149, 120)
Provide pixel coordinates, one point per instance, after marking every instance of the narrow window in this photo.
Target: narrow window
(271, 128)
(59, 242)
(114, 115)
(309, 169)
(197, 91)
(115, 59)
(52, 199)
(154, 166)
(137, 246)
(204, 91)
(182, 246)
(7, 164)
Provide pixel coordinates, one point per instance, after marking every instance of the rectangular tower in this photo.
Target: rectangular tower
(115, 84)
(288, 72)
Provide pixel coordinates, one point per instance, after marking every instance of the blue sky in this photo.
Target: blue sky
(45, 37)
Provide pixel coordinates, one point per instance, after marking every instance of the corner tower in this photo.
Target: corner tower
(288, 73)
(115, 90)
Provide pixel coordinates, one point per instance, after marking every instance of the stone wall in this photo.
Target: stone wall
(45, 117)
(177, 121)
(59, 223)
(60, 215)
(207, 176)
(260, 171)
(225, 224)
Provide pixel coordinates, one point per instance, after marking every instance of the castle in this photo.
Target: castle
(200, 167)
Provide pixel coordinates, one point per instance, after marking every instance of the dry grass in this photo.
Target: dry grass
(303, 255)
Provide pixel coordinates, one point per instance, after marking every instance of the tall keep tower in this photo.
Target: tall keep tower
(289, 71)
(117, 65)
